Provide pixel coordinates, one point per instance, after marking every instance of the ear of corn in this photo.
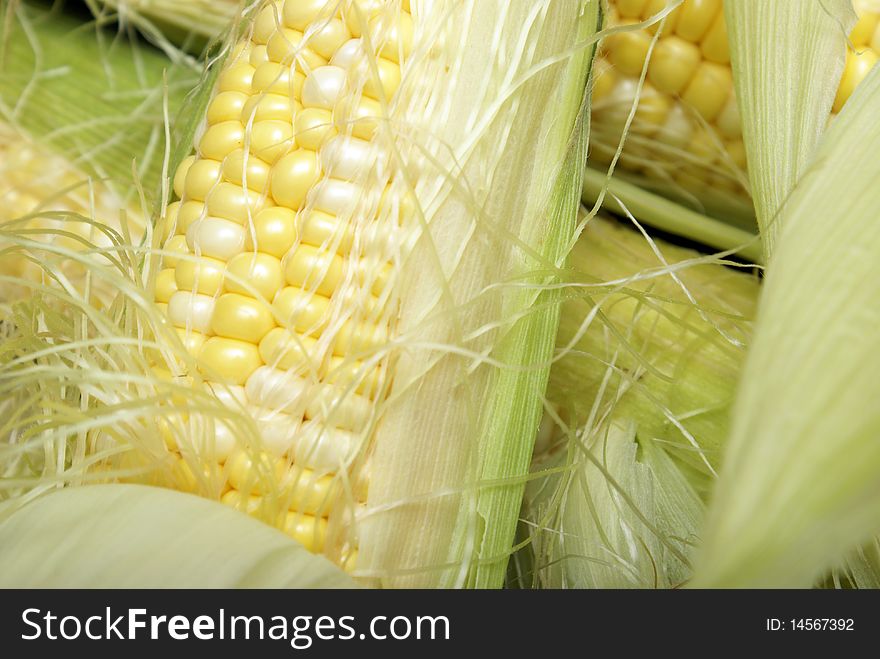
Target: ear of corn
(806, 419)
(652, 339)
(686, 138)
(326, 268)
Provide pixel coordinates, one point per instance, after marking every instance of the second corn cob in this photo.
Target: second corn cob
(685, 139)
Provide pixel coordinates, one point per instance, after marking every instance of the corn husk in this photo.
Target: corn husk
(131, 536)
(799, 488)
(477, 320)
(787, 59)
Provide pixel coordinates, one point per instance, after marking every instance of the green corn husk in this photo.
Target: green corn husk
(782, 123)
(649, 353)
(131, 536)
(651, 334)
(616, 514)
(799, 489)
(619, 194)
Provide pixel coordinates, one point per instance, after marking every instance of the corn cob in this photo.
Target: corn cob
(686, 138)
(282, 254)
(254, 292)
(653, 344)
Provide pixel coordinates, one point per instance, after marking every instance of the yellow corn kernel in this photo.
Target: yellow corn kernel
(274, 78)
(241, 317)
(308, 530)
(312, 269)
(232, 202)
(175, 245)
(345, 372)
(274, 231)
(283, 350)
(220, 139)
(397, 36)
(285, 46)
(627, 51)
(188, 213)
(653, 8)
(728, 122)
(653, 110)
(709, 90)
(180, 175)
(329, 37)
(259, 55)
(237, 78)
(313, 127)
(262, 272)
(858, 65)
(362, 119)
(631, 8)
(165, 285)
(203, 275)
(300, 15)
(359, 338)
(339, 408)
(309, 493)
(261, 107)
(231, 360)
(864, 29)
(325, 230)
(301, 311)
(270, 139)
(673, 63)
(388, 80)
(695, 18)
(226, 106)
(243, 168)
(192, 341)
(267, 22)
(359, 13)
(293, 176)
(247, 476)
(715, 46)
(168, 222)
(201, 177)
